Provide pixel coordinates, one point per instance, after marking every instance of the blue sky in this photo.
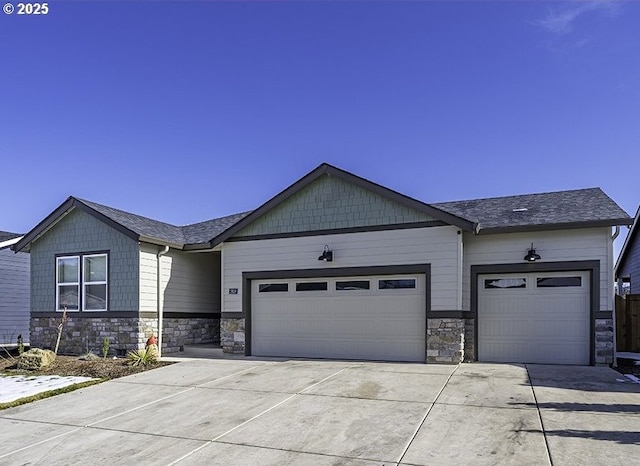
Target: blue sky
(185, 111)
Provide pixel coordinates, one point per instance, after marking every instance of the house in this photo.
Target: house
(14, 291)
(627, 269)
(336, 266)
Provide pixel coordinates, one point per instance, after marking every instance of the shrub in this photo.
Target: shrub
(105, 347)
(143, 357)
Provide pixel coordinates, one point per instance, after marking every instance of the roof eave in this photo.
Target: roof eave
(160, 242)
(556, 226)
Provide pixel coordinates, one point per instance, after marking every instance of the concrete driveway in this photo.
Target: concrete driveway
(253, 412)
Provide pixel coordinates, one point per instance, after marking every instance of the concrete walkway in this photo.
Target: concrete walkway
(255, 412)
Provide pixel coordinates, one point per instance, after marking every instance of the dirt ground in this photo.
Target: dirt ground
(72, 366)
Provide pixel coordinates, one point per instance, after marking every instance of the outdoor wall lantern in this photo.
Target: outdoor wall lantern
(531, 255)
(327, 254)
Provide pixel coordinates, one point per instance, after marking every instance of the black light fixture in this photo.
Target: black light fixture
(327, 254)
(531, 255)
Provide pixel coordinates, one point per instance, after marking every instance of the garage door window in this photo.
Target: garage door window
(311, 286)
(353, 285)
(273, 287)
(503, 283)
(394, 284)
(558, 282)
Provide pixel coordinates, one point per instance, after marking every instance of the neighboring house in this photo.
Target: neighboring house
(336, 266)
(628, 265)
(14, 291)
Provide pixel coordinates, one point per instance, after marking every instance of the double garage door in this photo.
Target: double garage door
(534, 318)
(375, 317)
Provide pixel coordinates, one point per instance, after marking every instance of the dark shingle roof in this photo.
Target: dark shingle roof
(164, 232)
(142, 226)
(5, 235)
(580, 206)
(202, 232)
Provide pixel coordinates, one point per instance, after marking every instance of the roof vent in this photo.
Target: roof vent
(521, 209)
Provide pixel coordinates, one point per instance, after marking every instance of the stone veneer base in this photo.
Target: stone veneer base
(82, 335)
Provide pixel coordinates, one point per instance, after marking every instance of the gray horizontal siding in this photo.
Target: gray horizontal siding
(14, 296)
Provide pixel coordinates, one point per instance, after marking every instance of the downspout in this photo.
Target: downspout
(159, 302)
(616, 232)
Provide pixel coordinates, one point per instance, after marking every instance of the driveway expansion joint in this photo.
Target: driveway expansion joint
(218, 437)
(544, 432)
(424, 418)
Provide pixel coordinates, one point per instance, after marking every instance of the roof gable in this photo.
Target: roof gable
(329, 203)
(384, 195)
(134, 226)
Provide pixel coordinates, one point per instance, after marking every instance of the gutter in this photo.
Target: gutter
(159, 302)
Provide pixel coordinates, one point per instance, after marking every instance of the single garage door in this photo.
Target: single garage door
(364, 317)
(534, 318)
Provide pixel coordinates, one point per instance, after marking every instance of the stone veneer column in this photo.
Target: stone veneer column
(232, 335)
(469, 340)
(445, 340)
(604, 341)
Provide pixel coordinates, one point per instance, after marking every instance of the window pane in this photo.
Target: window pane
(311, 286)
(68, 296)
(95, 297)
(271, 287)
(396, 284)
(556, 282)
(68, 268)
(353, 285)
(95, 268)
(503, 283)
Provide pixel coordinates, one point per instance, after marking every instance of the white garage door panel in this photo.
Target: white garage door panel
(534, 324)
(354, 324)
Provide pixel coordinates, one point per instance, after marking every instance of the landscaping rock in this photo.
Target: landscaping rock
(36, 359)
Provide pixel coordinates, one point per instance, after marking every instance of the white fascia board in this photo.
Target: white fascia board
(9, 242)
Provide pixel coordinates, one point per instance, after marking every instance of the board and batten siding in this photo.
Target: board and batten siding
(14, 296)
(553, 246)
(439, 246)
(190, 282)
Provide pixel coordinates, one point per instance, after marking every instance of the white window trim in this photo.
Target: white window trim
(101, 282)
(58, 284)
